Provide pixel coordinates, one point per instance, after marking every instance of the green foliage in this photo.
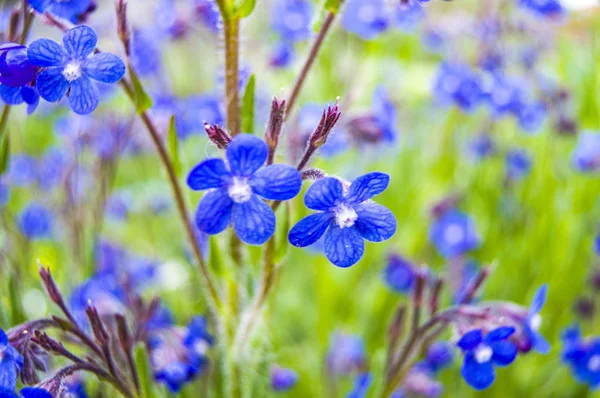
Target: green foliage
(248, 106)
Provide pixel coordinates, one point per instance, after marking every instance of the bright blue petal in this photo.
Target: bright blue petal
(84, 96)
(3, 338)
(367, 186)
(214, 212)
(539, 299)
(8, 374)
(211, 173)
(470, 340)
(253, 221)
(479, 375)
(310, 229)
(34, 392)
(246, 154)
(80, 42)
(375, 222)
(45, 53)
(276, 182)
(324, 194)
(344, 246)
(104, 67)
(39, 5)
(540, 344)
(7, 394)
(505, 352)
(11, 95)
(501, 333)
(51, 84)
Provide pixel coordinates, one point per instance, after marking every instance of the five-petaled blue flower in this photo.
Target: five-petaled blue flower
(483, 352)
(67, 9)
(74, 67)
(533, 321)
(454, 234)
(236, 189)
(349, 218)
(365, 18)
(11, 362)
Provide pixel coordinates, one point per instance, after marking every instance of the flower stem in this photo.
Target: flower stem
(232, 72)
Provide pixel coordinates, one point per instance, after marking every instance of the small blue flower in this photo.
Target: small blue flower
(438, 356)
(291, 19)
(348, 218)
(362, 383)
(482, 353)
(458, 85)
(11, 363)
(385, 114)
(15, 68)
(531, 116)
(518, 164)
(283, 379)
(208, 12)
(35, 221)
(52, 168)
(346, 354)
(282, 55)
(236, 190)
(399, 274)
(544, 8)
(145, 54)
(409, 16)
(454, 234)
(582, 356)
(22, 170)
(532, 323)
(197, 341)
(586, 155)
(481, 146)
(73, 67)
(72, 10)
(365, 18)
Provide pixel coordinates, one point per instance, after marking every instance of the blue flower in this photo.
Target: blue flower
(208, 12)
(145, 54)
(409, 16)
(596, 240)
(236, 190)
(545, 8)
(4, 194)
(35, 221)
(282, 55)
(27, 392)
(11, 363)
(349, 218)
(532, 116)
(197, 341)
(72, 10)
(291, 19)
(73, 67)
(583, 357)
(346, 354)
(362, 383)
(518, 164)
(283, 379)
(52, 168)
(586, 155)
(399, 274)
(17, 95)
(458, 85)
(385, 114)
(15, 68)
(482, 353)
(103, 291)
(22, 170)
(365, 18)
(481, 146)
(438, 356)
(533, 321)
(454, 234)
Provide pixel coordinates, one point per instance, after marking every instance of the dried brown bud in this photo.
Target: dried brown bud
(217, 135)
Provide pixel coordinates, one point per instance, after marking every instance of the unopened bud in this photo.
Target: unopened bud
(328, 121)
(97, 325)
(275, 123)
(217, 135)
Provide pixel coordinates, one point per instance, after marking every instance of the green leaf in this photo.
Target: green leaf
(4, 153)
(245, 8)
(174, 146)
(142, 365)
(142, 100)
(333, 5)
(248, 107)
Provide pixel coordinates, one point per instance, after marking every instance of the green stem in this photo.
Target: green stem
(232, 72)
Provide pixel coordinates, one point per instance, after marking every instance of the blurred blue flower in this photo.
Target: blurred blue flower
(119, 205)
(11, 363)
(518, 164)
(35, 221)
(67, 9)
(454, 234)
(583, 357)
(532, 323)
(483, 352)
(385, 114)
(586, 155)
(104, 292)
(458, 85)
(208, 12)
(283, 379)
(596, 240)
(52, 168)
(348, 219)
(291, 19)
(399, 274)
(545, 8)
(481, 146)
(433, 40)
(73, 67)
(192, 112)
(22, 170)
(282, 54)
(197, 341)
(365, 18)
(505, 96)
(439, 355)
(409, 16)
(531, 116)
(346, 354)
(145, 53)
(235, 190)
(4, 194)
(362, 383)
(15, 68)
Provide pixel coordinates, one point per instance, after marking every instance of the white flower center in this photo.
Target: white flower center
(367, 13)
(345, 216)
(294, 21)
(72, 71)
(594, 363)
(483, 353)
(535, 322)
(201, 347)
(454, 234)
(239, 191)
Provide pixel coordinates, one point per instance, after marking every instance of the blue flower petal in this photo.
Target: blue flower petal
(539, 299)
(3, 338)
(276, 182)
(367, 186)
(344, 246)
(51, 84)
(7, 394)
(501, 333)
(34, 392)
(84, 96)
(46, 53)
(11, 95)
(540, 344)
(324, 194)
(479, 375)
(214, 212)
(310, 229)
(246, 154)
(39, 5)
(505, 352)
(470, 340)
(211, 173)
(80, 42)
(104, 67)
(253, 221)
(8, 374)
(375, 222)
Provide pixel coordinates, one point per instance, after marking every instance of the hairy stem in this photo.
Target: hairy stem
(232, 72)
